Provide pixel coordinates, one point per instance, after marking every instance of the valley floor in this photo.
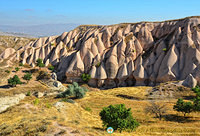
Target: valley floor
(82, 118)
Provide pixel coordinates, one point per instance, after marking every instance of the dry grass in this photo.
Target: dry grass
(44, 118)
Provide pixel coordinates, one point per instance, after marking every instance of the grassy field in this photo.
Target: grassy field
(82, 118)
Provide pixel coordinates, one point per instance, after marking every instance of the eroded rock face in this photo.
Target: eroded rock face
(120, 55)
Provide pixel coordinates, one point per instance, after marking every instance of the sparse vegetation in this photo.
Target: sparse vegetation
(43, 75)
(164, 49)
(28, 93)
(21, 64)
(88, 109)
(36, 101)
(17, 69)
(13, 81)
(155, 108)
(40, 63)
(27, 77)
(7, 71)
(73, 90)
(98, 64)
(85, 77)
(51, 68)
(118, 117)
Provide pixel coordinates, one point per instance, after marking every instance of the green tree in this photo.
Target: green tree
(118, 117)
(40, 63)
(17, 69)
(13, 81)
(27, 77)
(184, 107)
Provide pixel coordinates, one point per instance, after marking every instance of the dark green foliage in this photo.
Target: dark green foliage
(73, 90)
(13, 81)
(118, 117)
(85, 77)
(40, 63)
(7, 71)
(184, 107)
(51, 68)
(196, 104)
(27, 77)
(21, 64)
(196, 90)
(196, 101)
(17, 69)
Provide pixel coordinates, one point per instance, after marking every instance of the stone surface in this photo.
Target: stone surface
(145, 53)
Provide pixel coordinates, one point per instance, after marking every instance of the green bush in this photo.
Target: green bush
(27, 77)
(118, 117)
(184, 107)
(40, 63)
(21, 64)
(13, 81)
(36, 101)
(85, 77)
(196, 90)
(51, 68)
(7, 71)
(17, 69)
(73, 90)
(88, 109)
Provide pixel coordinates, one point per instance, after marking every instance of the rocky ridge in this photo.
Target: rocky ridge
(145, 53)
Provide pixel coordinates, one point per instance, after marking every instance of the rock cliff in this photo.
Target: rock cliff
(144, 53)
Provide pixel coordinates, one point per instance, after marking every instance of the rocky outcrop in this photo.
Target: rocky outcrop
(8, 101)
(143, 53)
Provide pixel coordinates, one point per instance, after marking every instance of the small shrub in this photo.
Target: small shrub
(156, 108)
(48, 105)
(85, 77)
(17, 69)
(28, 93)
(51, 68)
(21, 64)
(13, 81)
(118, 117)
(7, 71)
(27, 77)
(40, 63)
(36, 101)
(73, 90)
(184, 107)
(88, 109)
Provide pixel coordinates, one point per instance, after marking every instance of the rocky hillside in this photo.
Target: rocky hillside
(144, 53)
(7, 41)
